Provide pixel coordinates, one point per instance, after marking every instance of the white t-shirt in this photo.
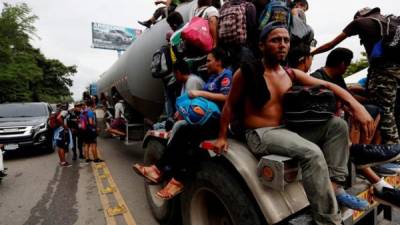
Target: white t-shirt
(209, 11)
(193, 83)
(119, 109)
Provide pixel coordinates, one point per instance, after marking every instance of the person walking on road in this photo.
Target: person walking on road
(2, 168)
(88, 125)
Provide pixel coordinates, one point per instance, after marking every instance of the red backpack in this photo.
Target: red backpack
(55, 120)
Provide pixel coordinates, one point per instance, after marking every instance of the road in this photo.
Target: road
(38, 191)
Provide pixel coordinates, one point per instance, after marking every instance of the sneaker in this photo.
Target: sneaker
(145, 23)
(392, 166)
(98, 160)
(65, 164)
(383, 171)
(81, 157)
(388, 196)
(2, 174)
(352, 202)
(364, 155)
(88, 160)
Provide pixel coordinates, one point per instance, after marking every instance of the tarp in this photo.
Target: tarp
(352, 79)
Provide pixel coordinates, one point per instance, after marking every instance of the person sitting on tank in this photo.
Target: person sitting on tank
(162, 12)
(260, 87)
(336, 65)
(206, 10)
(176, 160)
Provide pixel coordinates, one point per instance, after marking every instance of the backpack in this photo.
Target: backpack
(54, 121)
(275, 10)
(308, 105)
(301, 33)
(389, 45)
(161, 63)
(232, 22)
(83, 120)
(196, 111)
(197, 33)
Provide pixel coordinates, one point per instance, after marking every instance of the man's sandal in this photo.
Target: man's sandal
(150, 173)
(166, 193)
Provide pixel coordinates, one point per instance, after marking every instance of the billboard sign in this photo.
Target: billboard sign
(106, 36)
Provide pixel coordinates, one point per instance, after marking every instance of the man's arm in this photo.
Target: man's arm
(359, 112)
(328, 46)
(227, 112)
(217, 97)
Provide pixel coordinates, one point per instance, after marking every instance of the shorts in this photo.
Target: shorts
(89, 137)
(62, 144)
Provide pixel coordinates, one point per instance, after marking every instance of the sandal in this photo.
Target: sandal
(172, 189)
(150, 173)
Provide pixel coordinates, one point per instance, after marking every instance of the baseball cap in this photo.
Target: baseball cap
(270, 27)
(366, 12)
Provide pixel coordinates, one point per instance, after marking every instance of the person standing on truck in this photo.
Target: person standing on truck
(260, 90)
(176, 158)
(383, 73)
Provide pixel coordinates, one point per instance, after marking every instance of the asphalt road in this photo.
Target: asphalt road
(38, 191)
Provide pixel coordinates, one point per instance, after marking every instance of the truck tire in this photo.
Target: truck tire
(165, 212)
(217, 197)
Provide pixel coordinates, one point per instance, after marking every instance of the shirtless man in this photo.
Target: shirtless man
(322, 168)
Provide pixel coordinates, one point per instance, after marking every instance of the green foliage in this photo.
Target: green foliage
(25, 73)
(360, 64)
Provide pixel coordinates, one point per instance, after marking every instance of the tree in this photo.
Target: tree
(25, 73)
(360, 64)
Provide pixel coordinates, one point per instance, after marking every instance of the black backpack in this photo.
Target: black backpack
(389, 45)
(275, 10)
(301, 33)
(161, 64)
(308, 105)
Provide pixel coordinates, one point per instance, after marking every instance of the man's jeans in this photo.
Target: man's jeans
(322, 152)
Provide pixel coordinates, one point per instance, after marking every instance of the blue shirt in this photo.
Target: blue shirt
(91, 115)
(219, 83)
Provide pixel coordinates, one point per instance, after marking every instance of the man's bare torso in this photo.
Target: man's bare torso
(270, 115)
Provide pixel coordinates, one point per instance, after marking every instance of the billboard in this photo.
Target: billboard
(106, 36)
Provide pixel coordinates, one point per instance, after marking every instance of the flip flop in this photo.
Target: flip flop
(145, 172)
(165, 194)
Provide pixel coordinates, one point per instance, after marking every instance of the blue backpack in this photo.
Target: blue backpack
(275, 10)
(197, 111)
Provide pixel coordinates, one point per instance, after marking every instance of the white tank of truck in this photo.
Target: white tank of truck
(131, 76)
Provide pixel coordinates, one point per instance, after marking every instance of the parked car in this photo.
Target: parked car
(118, 37)
(25, 125)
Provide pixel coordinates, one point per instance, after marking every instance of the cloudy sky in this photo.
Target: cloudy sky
(64, 28)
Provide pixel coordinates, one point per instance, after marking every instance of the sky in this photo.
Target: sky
(64, 28)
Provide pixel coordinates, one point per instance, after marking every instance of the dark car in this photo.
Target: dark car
(25, 125)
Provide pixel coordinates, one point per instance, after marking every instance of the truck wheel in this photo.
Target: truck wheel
(217, 197)
(165, 212)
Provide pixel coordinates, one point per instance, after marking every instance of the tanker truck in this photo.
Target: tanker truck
(234, 188)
